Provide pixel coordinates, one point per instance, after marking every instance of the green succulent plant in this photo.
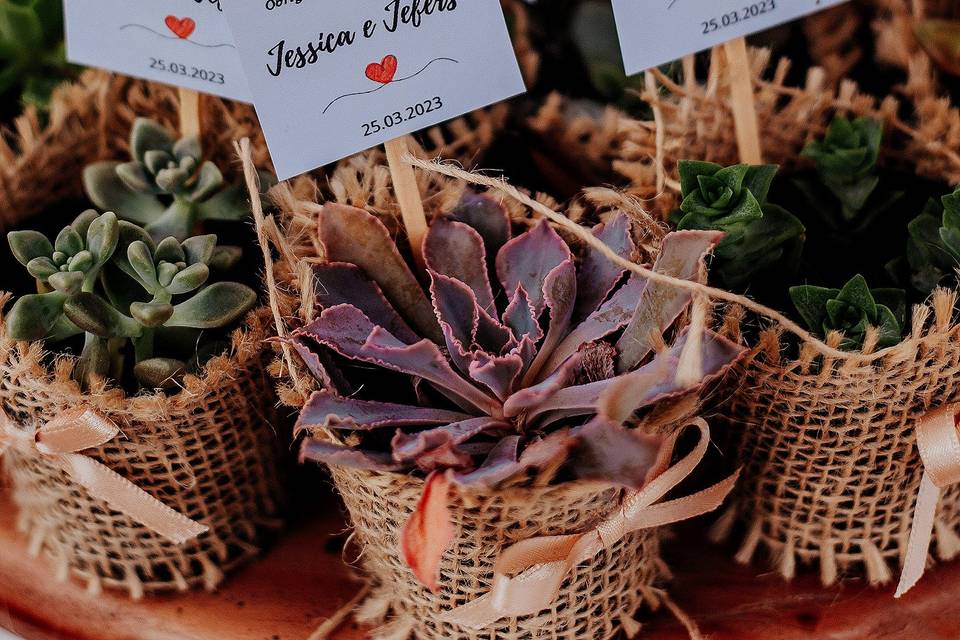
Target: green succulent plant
(32, 60)
(852, 310)
(107, 279)
(167, 186)
(733, 199)
(846, 162)
(933, 246)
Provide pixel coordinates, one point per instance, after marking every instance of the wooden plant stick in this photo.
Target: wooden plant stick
(189, 112)
(408, 196)
(744, 108)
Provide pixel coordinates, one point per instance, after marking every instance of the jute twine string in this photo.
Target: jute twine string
(500, 184)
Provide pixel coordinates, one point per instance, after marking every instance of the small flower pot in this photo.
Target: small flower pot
(210, 452)
(830, 466)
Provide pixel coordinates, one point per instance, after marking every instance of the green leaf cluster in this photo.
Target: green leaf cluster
(166, 187)
(733, 199)
(32, 58)
(933, 246)
(846, 162)
(110, 281)
(852, 310)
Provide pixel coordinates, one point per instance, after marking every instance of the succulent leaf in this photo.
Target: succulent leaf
(218, 305)
(159, 373)
(352, 235)
(33, 317)
(94, 315)
(151, 314)
(27, 245)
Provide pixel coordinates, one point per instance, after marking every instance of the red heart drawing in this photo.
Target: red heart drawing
(181, 27)
(384, 70)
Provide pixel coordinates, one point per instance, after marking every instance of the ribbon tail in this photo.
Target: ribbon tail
(127, 498)
(918, 547)
(533, 590)
(680, 509)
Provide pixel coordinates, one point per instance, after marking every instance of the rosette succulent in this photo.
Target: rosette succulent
(933, 248)
(167, 186)
(497, 368)
(852, 310)
(846, 161)
(757, 234)
(110, 282)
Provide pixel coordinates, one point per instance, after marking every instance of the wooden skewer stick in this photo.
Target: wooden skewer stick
(742, 101)
(408, 196)
(189, 112)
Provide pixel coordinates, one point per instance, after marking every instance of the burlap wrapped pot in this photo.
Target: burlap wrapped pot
(831, 470)
(212, 451)
(600, 599)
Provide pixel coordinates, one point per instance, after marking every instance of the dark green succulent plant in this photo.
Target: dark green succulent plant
(109, 280)
(733, 199)
(167, 187)
(933, 246)
(846, 161)
(852, 310)
(32, 60)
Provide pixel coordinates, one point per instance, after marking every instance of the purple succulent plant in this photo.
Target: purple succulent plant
(509, 350)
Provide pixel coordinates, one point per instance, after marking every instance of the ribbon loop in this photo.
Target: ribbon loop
(75, 430)
(938, 443)
(63, 438)
(540, 565)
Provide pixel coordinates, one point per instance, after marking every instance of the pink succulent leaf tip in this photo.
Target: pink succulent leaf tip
(516, 359)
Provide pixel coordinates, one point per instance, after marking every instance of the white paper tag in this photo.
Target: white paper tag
(333, 77)
(180, 42)
(654, 32)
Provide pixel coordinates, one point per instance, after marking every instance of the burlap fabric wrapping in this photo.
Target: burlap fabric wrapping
(211, 451)
(598, 600)
(831, 470)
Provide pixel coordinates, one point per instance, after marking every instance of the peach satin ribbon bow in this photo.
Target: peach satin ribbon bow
(939, 445)
(540, 565)
(61, 439)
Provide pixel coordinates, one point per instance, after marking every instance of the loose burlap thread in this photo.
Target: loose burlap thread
(209, 451)
(826, 439)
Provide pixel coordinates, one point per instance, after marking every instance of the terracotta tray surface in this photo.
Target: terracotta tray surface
(301, 581)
